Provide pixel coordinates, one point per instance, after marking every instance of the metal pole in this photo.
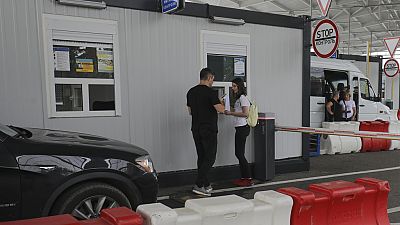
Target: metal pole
(310, 8)
(348, 43)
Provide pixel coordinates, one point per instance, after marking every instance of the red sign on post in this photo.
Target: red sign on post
(325, 38)
(324, 5)
(391, 68)
(391, 44)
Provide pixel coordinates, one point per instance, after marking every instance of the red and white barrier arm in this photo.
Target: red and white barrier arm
(361, 134)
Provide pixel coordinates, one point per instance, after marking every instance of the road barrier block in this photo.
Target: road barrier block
(157, 214)
(51, 220)
(281, 205)
(188, 217)
(341, 203)
(116, 216)
(223, 210)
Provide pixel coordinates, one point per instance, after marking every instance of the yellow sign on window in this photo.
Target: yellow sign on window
(85, 65)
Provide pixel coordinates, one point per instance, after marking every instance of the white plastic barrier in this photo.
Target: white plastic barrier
(229, 210)
(263, 213)
(394, 127)
(187, 216)
(267, 208)
(281, 205)
(330, 144)
(350, 144)
(157, 214)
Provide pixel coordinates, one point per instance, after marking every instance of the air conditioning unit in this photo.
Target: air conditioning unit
(84, 3)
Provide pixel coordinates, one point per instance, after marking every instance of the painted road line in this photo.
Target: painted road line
(394, 210)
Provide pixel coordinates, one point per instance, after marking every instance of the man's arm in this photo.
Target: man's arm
(328, 108)
(220, 108)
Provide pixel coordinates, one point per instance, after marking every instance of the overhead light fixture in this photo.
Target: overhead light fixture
(84, 3)
(229, 21)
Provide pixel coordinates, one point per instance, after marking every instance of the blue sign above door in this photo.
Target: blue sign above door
(169, 5)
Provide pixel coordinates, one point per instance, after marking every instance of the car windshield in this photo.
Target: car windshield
(7, 130)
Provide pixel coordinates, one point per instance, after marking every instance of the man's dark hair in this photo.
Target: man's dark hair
(204, 73)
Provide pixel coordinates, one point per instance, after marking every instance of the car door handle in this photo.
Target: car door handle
(362, 105)
(380, 111)
(320, 103)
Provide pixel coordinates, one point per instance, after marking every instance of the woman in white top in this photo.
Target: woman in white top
(349, 107)
(240, 113)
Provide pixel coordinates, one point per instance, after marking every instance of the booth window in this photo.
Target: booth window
(228, 56)
(83, 68)
(227, 67)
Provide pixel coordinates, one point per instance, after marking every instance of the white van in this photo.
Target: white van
(329, 74)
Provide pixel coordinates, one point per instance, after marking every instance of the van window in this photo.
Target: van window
(317, 82)
(336, 81)
(366, 90)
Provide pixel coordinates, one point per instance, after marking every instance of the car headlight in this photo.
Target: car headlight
(145, 164)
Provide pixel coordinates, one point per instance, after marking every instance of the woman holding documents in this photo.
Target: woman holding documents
(240, 112)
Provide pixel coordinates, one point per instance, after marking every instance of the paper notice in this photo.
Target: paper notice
(227, 102)
(105, 61)
(239, 64)
(61, 59)
(85, 65)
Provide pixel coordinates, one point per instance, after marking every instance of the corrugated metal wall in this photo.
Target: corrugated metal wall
(158, 66)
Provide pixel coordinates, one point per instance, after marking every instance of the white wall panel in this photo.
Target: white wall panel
(158, 66)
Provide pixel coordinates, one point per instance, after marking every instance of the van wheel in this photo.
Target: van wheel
(86, 201)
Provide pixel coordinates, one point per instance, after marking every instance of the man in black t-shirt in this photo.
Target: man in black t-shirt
(203, 105)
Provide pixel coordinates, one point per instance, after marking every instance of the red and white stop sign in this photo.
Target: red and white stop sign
(325, 38)
(391, 68)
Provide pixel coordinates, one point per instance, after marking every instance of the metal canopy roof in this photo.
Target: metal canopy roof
(366, 19)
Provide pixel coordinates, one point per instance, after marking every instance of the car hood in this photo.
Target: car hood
(81, 141)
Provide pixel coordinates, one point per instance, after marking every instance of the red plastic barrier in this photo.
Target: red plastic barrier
(376, 200)
(373, 144)
(52, 220)
(341, 203)
(398, 114)
(116, 216)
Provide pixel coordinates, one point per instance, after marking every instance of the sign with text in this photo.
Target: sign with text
(391, 68)
(169, 5)
(325, 38)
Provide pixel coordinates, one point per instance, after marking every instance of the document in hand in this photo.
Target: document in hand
(227, 102)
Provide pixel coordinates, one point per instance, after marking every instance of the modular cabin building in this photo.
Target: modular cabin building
(123, 72)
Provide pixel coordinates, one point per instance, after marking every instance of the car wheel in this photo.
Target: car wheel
(86, 201)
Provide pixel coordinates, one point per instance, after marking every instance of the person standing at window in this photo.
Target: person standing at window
(334, 109)
(349, 107)
(203, 105)
(240, 113)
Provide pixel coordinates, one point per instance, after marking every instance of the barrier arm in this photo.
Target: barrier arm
(361, 134)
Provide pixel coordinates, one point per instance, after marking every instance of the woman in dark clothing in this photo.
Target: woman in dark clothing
(334, 108)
